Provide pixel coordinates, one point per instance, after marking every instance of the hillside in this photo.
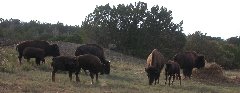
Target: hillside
(127, 76)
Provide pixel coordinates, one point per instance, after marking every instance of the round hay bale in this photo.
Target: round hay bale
(212, 71)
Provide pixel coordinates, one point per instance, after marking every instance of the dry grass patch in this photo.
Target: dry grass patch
(210, 72)
(215, 74)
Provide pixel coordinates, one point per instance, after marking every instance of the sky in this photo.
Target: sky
(217, 18)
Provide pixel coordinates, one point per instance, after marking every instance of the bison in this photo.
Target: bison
(32, 52)
(65, 63)
(172, 69)
(91, 63)
(188, 61)
(96, 50)
(50, 50)
(154, 66)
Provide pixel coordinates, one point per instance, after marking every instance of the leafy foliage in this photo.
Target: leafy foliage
(134, 29)
(34, 30)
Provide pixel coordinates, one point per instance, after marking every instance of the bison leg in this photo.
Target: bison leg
(166, 74)
(190, 73)
(169, 79)
(38, 60)
(76, 73)
(20, 59)
(96, 77)
(53, 75)
(185, 73)
(70, 75)
(173, 78)
(155, 80)
(91, 75)
(179, 77)
(77, 78)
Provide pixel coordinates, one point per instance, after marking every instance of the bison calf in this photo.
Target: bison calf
(65, 63)
(91, 63)
(32, 52)
(172, 69)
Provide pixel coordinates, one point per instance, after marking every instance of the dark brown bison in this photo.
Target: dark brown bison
(32, 52)
(188, 61)
(154, 66)
(91, 63)
(96, 50)
(172, 69)
(65, 63)
(50, 50)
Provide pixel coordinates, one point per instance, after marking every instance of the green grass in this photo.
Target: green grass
(127, 76)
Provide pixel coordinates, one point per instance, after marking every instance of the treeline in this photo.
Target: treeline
(34, 30)
(131, 29)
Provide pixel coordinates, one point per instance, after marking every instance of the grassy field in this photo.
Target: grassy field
(127, 76)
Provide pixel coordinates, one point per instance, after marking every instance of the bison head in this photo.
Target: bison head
(152, 74)
(53, 50)
(106, 67)
(200, 62)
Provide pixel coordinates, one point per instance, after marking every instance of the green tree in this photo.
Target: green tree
(134, 29)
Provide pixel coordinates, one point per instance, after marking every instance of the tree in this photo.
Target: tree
(134, 29)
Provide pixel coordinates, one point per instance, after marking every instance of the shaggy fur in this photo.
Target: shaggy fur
(155, 63)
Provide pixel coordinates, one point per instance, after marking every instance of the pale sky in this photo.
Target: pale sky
(217, 18)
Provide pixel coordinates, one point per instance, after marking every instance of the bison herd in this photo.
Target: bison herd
(87, 57)
(185, 60)
(91, 57)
